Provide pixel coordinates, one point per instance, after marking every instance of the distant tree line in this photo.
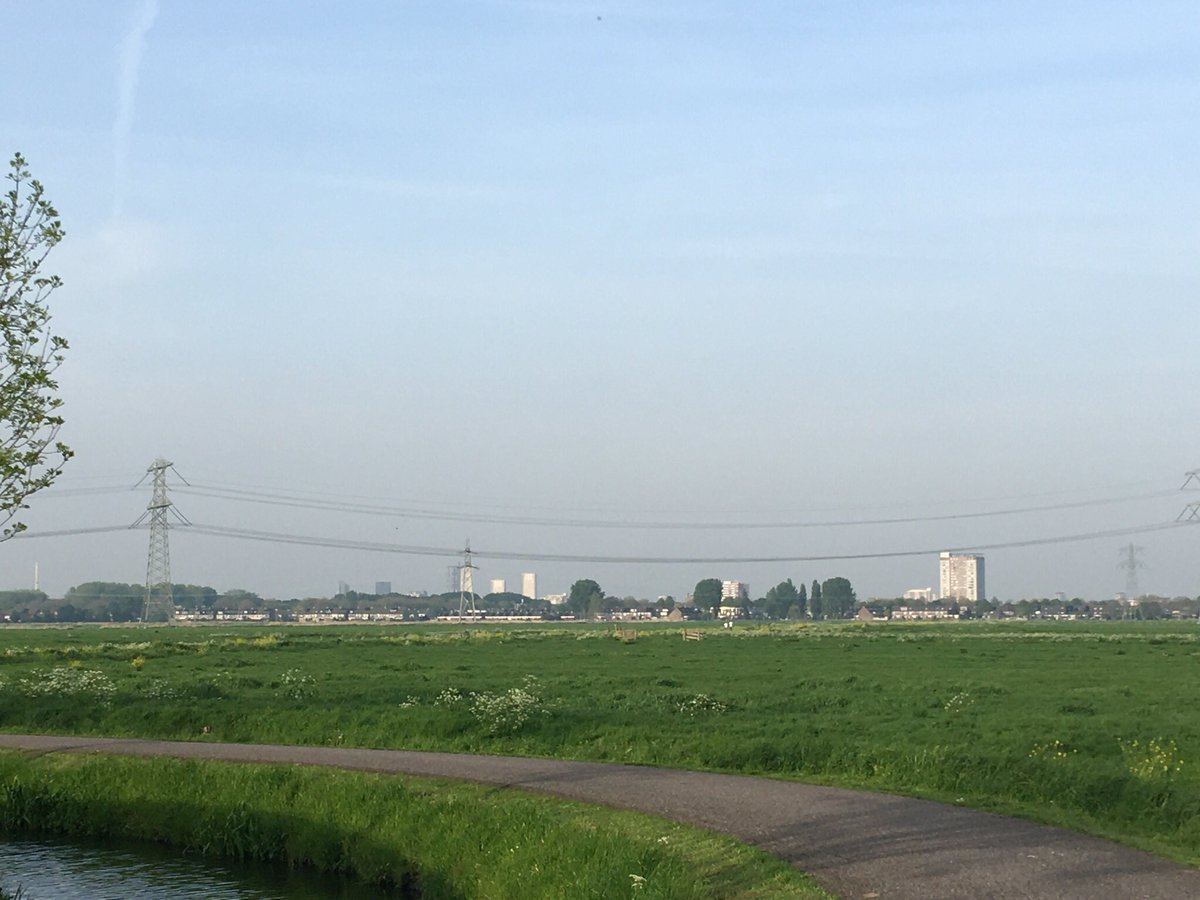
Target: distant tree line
(114, 601)
(108, 601)
(833, 598)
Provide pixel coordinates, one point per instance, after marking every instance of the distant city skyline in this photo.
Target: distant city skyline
(736, 286)
(960, 576)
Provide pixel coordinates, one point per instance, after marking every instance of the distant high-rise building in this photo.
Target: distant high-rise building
(962, 577)
(497, 585)
(343, 588)
(529, 585)
(383, 588)
(926, 594)
(735, 590)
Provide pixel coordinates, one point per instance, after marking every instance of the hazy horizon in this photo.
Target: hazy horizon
(556, 268)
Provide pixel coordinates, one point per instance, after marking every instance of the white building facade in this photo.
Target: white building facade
(961, 577)
(735, 591)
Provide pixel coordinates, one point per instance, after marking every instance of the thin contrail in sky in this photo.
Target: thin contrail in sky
(129, 64)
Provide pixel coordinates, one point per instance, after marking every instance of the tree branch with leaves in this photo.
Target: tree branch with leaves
(31, 456)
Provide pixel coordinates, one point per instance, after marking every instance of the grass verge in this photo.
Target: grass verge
(417, 837)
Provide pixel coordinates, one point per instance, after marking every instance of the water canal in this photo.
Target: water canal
(55, 870)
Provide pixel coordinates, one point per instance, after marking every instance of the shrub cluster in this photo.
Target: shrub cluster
(295, 685)
(510, 711)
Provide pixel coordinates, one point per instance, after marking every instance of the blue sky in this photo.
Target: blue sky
(722, 260)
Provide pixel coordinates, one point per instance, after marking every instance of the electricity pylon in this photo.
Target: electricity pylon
(466, 585)
(1130, 561)
(1191, 512)
(159, 605)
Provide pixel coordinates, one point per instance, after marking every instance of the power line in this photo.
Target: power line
(231, 490)
(162, 504)
(60, 489)
(335, 543)
(378, 547)
(455, 552)
(275, 490)
(300, 502)
(84, 491)
(65, 532)
(426, 509)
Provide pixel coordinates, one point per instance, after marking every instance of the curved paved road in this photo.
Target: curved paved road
(857, 844)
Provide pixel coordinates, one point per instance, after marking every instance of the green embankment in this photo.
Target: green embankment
(422, 838)
(1095, 726)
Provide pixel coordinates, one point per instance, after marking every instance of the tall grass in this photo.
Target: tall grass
(417, 838)
(1094, 726)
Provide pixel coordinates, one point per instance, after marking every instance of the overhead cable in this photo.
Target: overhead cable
(341, 496)
(341, 543)
(100, 529)
(402, 512)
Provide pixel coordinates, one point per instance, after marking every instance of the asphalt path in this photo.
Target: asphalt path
(856, 844)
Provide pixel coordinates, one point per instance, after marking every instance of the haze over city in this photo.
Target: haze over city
(574, 279)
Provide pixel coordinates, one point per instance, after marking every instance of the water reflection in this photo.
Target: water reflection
(49, 870)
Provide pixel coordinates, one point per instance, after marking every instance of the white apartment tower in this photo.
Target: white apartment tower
(529, 585)
(962, 577)
(735, 591)
(498, 585)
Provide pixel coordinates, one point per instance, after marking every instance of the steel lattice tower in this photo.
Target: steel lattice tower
(1130, 562)
(1191, 512)
(466, 585)
(159, 605)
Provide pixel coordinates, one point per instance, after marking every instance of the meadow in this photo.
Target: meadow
(1094, 726)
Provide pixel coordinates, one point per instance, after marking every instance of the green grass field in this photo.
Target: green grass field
(1093, 726)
